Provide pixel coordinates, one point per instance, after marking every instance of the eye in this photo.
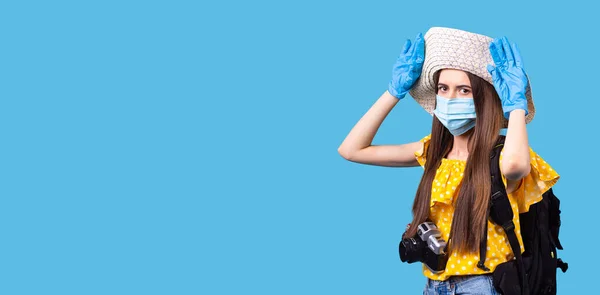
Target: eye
(443, 88)
(465, 91)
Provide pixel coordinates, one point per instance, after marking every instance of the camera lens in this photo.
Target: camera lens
(412, 250)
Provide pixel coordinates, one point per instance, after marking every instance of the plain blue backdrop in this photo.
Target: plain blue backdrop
(189, 147)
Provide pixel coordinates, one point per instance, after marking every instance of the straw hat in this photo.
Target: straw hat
(456, 49)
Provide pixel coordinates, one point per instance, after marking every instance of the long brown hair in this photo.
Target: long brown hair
(470, 207)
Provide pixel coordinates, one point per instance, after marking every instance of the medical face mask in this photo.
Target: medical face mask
(458, 114)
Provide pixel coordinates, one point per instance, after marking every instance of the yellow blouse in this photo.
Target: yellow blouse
(445, 187)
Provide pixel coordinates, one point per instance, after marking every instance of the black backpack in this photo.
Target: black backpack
(533, 272)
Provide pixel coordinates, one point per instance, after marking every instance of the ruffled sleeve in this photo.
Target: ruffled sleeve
(540, 179)
(420, 154)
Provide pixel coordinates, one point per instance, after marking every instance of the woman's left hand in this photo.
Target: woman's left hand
(508, 75)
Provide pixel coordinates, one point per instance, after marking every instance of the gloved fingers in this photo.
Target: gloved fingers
(419, 50)
(508, 51)
(517, 55)
(406, 47)
(492, 70)
(496, 52)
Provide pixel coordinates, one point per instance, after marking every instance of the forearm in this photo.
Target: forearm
(362, 134)
(515, 158)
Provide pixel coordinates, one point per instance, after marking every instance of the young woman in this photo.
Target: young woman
(471, 101)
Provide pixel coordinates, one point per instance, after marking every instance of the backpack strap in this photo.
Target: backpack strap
(483, 247)
(494, 158)
(501, 212)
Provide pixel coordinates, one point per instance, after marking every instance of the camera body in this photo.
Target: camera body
(428, 247)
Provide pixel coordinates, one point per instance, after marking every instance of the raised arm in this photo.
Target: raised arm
(511, 82)
(357, 145)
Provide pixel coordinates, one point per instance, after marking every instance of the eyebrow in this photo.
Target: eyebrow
(457, 86)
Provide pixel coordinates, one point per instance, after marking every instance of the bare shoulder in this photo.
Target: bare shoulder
(400, 155)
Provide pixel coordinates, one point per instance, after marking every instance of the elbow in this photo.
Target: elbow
(344, 153)
(515, 169)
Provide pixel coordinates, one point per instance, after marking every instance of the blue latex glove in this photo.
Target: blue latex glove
(508, 75)
(407, 68)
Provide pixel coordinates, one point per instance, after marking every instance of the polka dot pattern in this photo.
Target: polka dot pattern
(446, 186)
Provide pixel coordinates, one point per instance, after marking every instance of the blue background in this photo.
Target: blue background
(186, 147)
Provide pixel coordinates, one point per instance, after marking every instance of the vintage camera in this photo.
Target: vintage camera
(428, 248)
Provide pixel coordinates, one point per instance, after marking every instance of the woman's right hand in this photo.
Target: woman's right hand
(407, 68)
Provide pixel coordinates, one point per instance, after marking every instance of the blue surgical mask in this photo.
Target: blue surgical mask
(458, 114)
